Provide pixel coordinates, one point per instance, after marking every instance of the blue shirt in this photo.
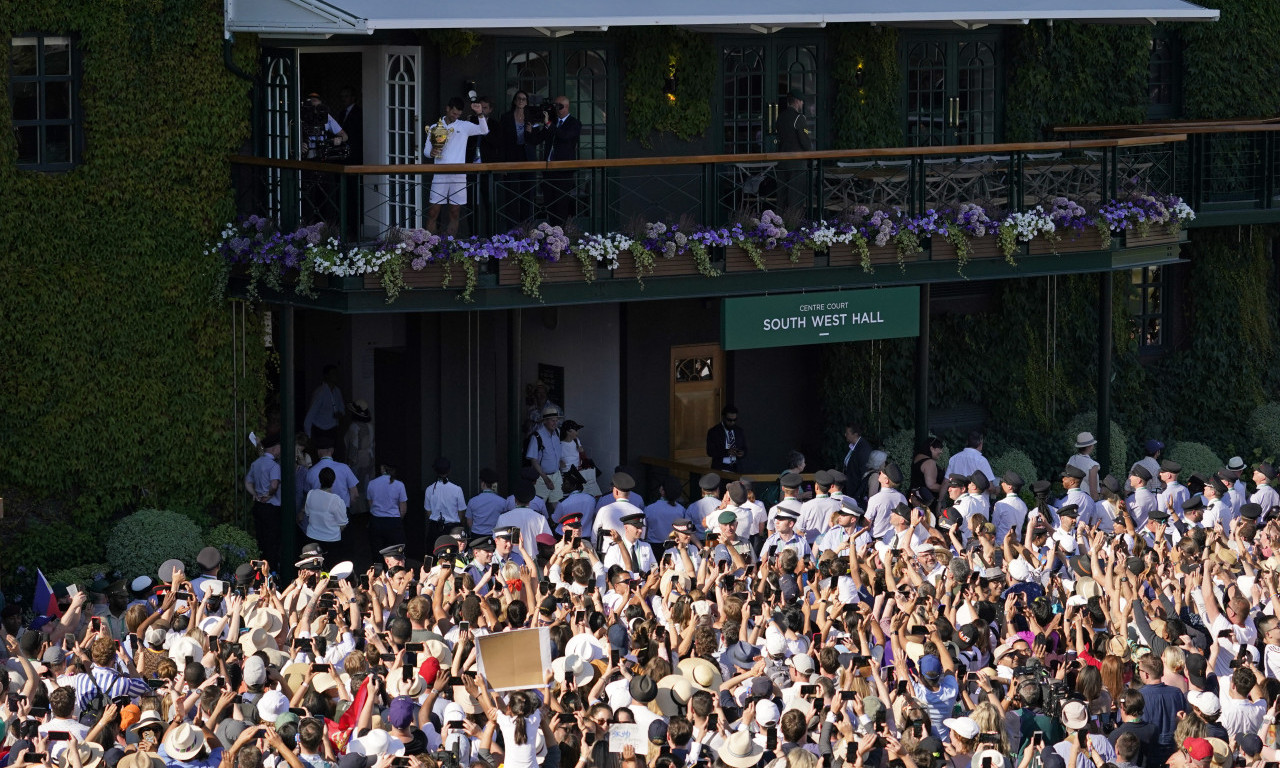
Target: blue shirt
(483, 511)
(938, 703)
(346, 479)
(110, 682)
(211, 761)
(385, 496)
(262, 472)
(1163, 703)
(578, 502)
(658, 519)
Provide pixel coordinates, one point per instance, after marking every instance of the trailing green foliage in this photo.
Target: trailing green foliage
(139, 543)
(453, 43)
(866, 115)
(1194, 457)
(115, 368)
(650, 57)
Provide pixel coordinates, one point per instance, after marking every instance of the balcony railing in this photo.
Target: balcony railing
(1228, 171)
(367, 201)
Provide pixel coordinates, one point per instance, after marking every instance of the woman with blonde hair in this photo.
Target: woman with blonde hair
(1175, 668)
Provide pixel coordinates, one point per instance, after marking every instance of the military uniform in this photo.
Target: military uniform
(792, 129)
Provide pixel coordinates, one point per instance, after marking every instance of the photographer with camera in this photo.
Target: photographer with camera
(559, 132)
(323, 140)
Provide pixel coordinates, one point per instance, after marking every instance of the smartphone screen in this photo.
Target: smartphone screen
(464, 626)
(58, 736)
(414, 647)
(848, 695)
(320, 667)
(613, 657)
(428, 562)
(771, 738)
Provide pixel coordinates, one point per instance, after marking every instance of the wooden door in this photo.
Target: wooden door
(697, 394)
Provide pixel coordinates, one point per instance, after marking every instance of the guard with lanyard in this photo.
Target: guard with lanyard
(443, 501)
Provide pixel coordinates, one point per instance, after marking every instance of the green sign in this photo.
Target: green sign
(820, 318)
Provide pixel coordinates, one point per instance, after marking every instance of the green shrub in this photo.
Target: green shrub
(234, 543)
(139, 543)
(1194, 457)
(82, 575)
(1019, 462)
(1264, 430)
(1088, 422)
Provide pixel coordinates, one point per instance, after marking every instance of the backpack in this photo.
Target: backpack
(91, 709)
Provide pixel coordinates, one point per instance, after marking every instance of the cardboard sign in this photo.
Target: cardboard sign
(622, 734)
(515, 660)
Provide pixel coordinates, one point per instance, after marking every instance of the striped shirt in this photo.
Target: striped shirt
(110, 682)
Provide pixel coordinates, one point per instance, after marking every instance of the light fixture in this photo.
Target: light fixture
(859, 76)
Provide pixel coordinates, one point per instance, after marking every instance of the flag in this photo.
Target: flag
(340, 732)
(46, 603)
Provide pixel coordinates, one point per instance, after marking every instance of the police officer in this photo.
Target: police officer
(684, 537)
(482, 550)
(1174, 494)
(784, 535)
(1266, 496)
(1144, 500)
(631, 552)
(1072, 479)
(789, 484)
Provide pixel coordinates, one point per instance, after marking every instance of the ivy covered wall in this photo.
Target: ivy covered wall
(115, 364)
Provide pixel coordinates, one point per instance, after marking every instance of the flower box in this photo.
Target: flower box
(941, 249)
(676, 266)
(1157, 235)
(350, 282)
(845, 255)
(567, 270)
(737, 260)
(1072, 241)
(430, 276)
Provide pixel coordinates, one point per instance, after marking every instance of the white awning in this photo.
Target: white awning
(307, 18)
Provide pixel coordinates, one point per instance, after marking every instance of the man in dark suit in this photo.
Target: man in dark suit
(726, 442)
(560, 134)
(351, 118)
(854, 464)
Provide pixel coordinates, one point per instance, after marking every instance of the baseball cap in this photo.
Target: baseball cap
(930, 667)
(1199, 749)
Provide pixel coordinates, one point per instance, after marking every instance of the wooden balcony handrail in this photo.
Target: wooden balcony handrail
(1170, 126)
(638, 162)
(672, 465)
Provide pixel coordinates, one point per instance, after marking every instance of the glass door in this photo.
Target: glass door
(278, 135)
(755, 77)
(579, 70)
(951, 89)
(402, 121)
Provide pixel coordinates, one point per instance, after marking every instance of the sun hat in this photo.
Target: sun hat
(1085, 439)
(1075, 715)
(375, 743)
(271, 705)
(398, 686)
(574, 667)
(183, 742)
(740, 750)
(704, 675)
(674, 692)
(90, 755)
(148, 719)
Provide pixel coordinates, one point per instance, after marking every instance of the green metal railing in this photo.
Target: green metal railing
(366, 201)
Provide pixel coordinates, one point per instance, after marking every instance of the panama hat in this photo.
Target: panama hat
(183, 742)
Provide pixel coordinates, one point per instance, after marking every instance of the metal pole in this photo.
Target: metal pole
(922, 367)
(1105, 284)
(288, 428)
(515, 408)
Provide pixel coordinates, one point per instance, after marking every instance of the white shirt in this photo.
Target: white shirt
(326, 514)
(1009, 513)
(570, 453)
(455, 147)
(1228, 647)
(1239, 715)
(644, 560)
(444, 502)
(530, 524)
(815, 516)
(967, 462)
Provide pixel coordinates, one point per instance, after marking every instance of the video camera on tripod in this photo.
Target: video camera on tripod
(317, 143)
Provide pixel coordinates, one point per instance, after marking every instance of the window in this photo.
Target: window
(1164, 78)
(1147, 308)
(44, 101)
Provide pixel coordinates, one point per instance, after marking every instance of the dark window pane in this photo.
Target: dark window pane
(22, 57)
(26, 101)
(28, 144)
(57, 100)
(57, 144)
(57, 56)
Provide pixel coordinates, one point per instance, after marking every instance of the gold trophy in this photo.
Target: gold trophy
(438, 134)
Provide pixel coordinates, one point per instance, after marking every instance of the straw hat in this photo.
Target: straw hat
(265, 618)
(183, 742)
(740, 750)
(674, 692)
(398, 686)
(256, 640)
(580, 669)
(704, 675)
(90, 756)
(375, 743)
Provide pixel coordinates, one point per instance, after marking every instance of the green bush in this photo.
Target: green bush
(1194, 457)
(139, 543)
(234, 543)
(1019, 462)
(82, 575)
(1264, 430)
(1088, 422)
